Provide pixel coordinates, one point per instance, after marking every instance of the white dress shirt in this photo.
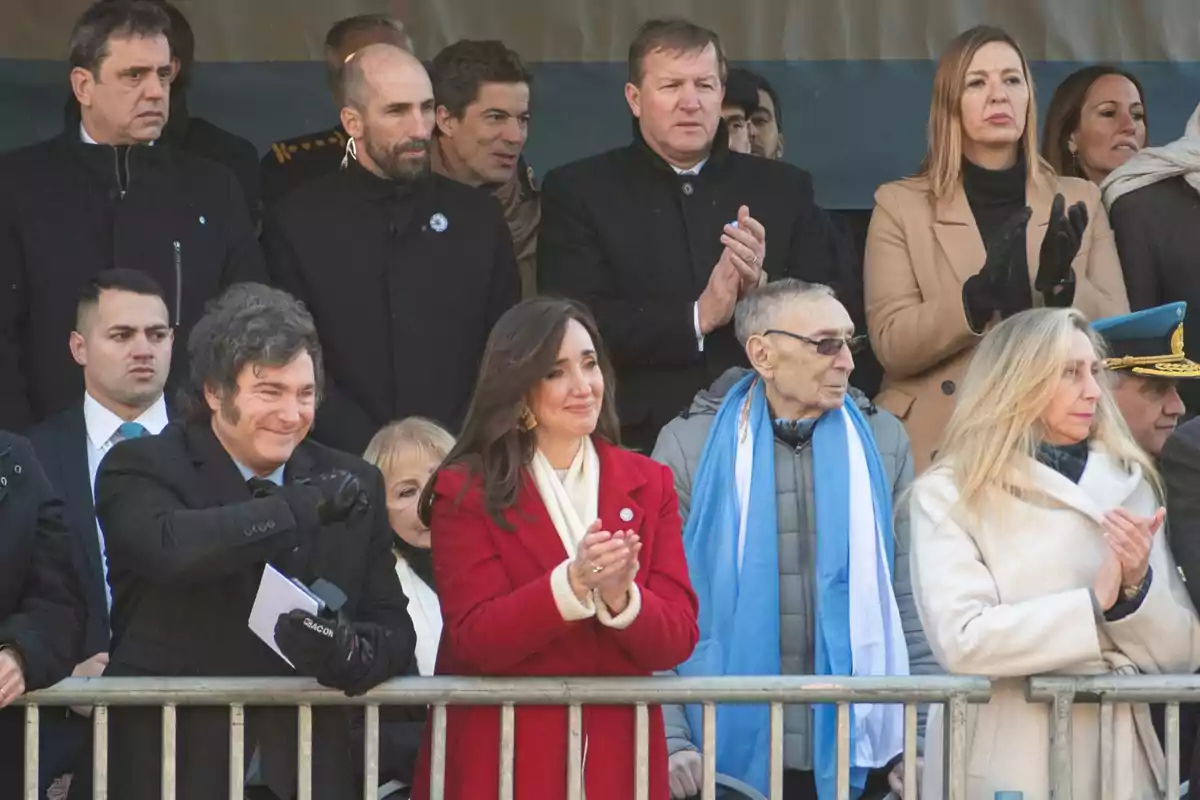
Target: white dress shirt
(102, 433)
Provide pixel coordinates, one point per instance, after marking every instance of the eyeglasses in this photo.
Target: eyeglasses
(826, 347)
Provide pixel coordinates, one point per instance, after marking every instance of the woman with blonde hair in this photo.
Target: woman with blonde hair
(1037, 548)
(984, 231)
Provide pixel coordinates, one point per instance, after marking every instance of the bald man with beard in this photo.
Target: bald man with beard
(404, 270)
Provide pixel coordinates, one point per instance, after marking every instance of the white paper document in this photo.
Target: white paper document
(277, 594)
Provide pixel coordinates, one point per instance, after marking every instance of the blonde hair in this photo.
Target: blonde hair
(426, 436)
(992, 438)
(943, 158)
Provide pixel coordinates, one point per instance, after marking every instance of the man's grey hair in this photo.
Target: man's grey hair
(250, 324)
(757, 310)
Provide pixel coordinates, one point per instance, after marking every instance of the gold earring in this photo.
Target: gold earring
(528, 421)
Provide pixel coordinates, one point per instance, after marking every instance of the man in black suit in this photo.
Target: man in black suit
(41, 608)
(645, 234)
(122, 340)
(109, 191)
(191, 517)
(404, 270)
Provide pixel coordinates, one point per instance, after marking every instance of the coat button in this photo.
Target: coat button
(948, 387)
(17, 469)
(688, 189)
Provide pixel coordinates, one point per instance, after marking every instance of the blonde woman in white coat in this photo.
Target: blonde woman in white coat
(1036, 548)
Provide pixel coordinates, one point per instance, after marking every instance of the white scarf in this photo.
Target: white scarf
(1155, 164)
(573, 502)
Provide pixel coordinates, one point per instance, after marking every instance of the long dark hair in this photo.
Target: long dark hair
(521, 351)
(1062, 118)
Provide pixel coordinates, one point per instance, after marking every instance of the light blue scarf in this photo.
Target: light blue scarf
(739, 611)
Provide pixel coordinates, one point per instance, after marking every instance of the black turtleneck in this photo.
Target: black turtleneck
(1069, 460)
(995, 197)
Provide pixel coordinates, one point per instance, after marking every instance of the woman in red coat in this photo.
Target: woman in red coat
(555, 553)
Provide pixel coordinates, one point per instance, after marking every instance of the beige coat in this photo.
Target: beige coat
(1010, 598)
(919, 254)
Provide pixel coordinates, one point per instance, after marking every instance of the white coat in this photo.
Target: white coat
(1009, 598)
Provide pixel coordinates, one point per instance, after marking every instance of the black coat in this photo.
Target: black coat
(637, 243)
(403, 309)
(1157, 229)
(186, 547)
(64, 217)
(41, 607)
(62, 446)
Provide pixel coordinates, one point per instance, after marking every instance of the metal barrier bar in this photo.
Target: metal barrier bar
(709, 752)
(1171, 723)
(910, 750)
(843, 751)
(777, 751)
(1107, 785)
(508, 749)
(641, 769)
(32, 737)
(371, 753)
(575, 752)
(265, 692)
(237, 751)
(1061, 778)
(168, 752)
(100, 753)
(956, 761)
(437, 761)
(304, 753)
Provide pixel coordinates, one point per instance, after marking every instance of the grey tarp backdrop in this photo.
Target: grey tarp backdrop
(854, 75)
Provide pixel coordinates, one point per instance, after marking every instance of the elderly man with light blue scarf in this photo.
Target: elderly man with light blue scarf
(763, 460)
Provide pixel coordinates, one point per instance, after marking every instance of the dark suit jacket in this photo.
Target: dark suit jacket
(62, 446)
(637, 243)
(186, 547)
(41, 608)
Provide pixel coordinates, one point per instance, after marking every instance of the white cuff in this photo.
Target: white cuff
(569, 606)
(625, 618)
(696, 326)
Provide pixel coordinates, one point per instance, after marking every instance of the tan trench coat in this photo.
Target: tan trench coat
(1009, 599)
(919, 254)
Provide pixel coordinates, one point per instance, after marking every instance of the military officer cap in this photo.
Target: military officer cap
(1148, 342)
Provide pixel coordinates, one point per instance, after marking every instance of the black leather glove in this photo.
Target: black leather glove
(1064, 234)
(984, 292)
(341, 494)
(339, 654)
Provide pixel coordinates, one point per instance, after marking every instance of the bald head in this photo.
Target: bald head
(388, 111)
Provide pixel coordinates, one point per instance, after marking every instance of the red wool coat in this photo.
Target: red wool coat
(500, 619)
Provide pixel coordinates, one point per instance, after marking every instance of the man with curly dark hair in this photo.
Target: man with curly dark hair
(193, 517)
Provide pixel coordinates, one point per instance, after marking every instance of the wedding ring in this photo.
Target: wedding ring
(597, 570)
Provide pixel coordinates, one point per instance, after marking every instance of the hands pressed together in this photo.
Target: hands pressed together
(1130, 539)
(607, 562)
(739, 269)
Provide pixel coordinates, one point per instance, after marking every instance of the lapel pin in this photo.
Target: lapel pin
(626, 515)
(439, 222)
(203, 220)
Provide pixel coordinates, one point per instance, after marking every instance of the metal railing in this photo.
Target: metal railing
(1110, 691)
(438, 693)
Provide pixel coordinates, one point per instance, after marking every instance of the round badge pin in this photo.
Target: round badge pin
(439, 222)
(626, 515)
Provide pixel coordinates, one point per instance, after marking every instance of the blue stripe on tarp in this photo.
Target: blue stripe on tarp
(853, 124)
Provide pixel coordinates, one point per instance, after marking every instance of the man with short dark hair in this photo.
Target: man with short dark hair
(661, 237)
(127, 198)
(293, 162)
(766, 121)
(404, 270)
(740, 101)
(122, 340)
(192, 518)
(482, 93)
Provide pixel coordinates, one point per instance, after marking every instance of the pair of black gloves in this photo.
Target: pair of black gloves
(338, 652)
(986, 292)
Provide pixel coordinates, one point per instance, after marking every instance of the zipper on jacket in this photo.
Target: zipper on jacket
(122, 177)
(178, 281)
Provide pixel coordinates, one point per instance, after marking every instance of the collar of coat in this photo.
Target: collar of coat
(370, 185)
(718, 153)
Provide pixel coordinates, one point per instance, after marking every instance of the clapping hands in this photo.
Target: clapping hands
(607, 562)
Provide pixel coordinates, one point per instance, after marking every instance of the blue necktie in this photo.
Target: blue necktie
(132, 430)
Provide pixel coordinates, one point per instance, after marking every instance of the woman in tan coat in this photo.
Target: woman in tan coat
(984, 231)
(1037, 549)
